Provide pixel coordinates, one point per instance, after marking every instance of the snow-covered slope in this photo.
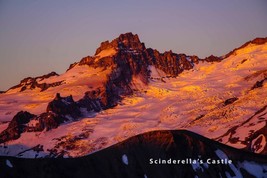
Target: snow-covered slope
(210, 98)
(75, 82)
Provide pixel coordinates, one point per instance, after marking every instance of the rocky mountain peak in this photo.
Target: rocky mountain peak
(259, 41)
(129, 40)
(213, 58)
(124, 41)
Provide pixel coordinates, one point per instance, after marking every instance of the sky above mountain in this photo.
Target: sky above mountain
(38, 37)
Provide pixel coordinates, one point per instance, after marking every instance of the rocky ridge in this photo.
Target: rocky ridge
(33, 83)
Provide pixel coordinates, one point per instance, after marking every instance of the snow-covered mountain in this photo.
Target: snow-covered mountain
(126, 89)
(157, 154)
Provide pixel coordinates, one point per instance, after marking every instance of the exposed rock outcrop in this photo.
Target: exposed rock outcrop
(212, 58)
(64, 106)
(59, 110)
(230, 101)
(133, 57)
(16, 126)
(93, 101)
(259, 84)
(171, 63)
(49, 120)
(33, 83)
(256, 41)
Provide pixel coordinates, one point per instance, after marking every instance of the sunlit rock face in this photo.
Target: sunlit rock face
(126, 89)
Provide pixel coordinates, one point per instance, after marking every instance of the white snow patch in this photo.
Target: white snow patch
(258, 147)
(255, 169)
(197, 167)
(228, 175)
(156, 73)
(105, 53)
(222, 155)
(125, 159)
(8, 163)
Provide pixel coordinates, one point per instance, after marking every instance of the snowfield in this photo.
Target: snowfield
(195, 100)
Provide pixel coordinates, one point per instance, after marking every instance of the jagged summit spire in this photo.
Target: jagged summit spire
(127, 40)
(128, 37)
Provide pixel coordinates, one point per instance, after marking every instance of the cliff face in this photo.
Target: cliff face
(132, 55)
(129, 58)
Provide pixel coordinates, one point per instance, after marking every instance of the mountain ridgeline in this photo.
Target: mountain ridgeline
(127, 59)
(130, 59)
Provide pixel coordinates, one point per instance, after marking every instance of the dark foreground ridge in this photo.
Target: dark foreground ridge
(132, 158)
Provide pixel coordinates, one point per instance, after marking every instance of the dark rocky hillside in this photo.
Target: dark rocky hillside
(132, 158)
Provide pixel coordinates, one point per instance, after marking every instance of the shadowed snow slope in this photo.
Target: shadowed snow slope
(158, 154)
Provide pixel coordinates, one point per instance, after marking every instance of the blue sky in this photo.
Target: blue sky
(38, 37)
